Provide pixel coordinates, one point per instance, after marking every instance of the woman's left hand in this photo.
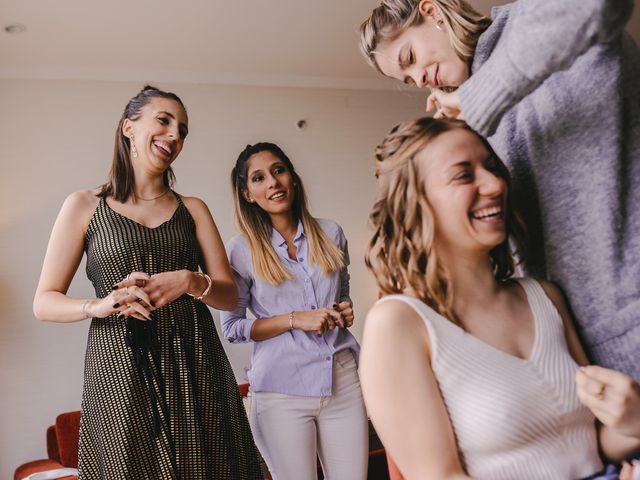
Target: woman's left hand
(346, 310)
(445, 104)
(613, 397)
(162, 288)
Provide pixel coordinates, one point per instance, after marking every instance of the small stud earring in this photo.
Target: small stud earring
(439, 24)
(134, 150)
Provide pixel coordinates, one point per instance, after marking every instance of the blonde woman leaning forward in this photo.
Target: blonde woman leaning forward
(160, 399)
(291, 272)
(466, 371)
(553, 85)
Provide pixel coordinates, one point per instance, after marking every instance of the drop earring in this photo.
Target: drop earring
(439, 24)
(134, 150)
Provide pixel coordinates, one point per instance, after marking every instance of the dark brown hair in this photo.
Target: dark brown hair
(255, 223)
(120, 183)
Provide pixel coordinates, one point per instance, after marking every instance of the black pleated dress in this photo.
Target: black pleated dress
(160, 400)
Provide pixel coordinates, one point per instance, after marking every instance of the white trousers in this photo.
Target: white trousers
(290, 430)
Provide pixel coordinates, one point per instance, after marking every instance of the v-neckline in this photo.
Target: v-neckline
(173, 215)
(536, 331)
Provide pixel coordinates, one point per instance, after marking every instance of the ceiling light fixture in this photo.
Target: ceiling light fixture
(15, 28)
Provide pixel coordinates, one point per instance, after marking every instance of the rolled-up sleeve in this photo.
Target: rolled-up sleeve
(236, 327)
(344, 273)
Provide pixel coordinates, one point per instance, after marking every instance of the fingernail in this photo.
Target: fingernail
(116, 305)
(120, 316)
(152, 303)
(114, 287)
(335, 305)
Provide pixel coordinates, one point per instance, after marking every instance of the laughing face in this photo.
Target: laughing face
(422, 55)
(465, 191)
(158, 133)
(269, 184)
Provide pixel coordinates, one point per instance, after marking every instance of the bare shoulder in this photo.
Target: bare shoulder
(555, 294)
(394, 318)
(196, 206)
(81, 204)
(551, 289)
(198, 209)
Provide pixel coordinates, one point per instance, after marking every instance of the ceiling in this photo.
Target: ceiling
(247, 42)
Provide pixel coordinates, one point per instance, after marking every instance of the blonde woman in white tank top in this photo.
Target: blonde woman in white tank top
(466, 371)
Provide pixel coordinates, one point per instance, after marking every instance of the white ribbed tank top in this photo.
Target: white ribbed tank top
(513, 418)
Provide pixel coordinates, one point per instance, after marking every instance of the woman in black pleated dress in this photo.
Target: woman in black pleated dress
(160, 400)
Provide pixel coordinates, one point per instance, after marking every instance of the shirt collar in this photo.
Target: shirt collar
(278, 240)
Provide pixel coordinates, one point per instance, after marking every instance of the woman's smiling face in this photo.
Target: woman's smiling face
(422, 55)
(269, 183)
(158, 133)
(464, 188)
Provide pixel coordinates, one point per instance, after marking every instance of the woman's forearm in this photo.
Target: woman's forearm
(265, 328)
(617, 447)
(222, 295)
(58, 307)
(520, 62)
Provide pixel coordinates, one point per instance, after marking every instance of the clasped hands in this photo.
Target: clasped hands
(139, 294)
(322, 320)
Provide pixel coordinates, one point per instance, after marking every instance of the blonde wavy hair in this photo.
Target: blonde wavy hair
(391, 18)
(255, 224)
(402, 254)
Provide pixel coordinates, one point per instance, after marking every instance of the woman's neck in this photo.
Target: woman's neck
(285, 224)
(472, 280)
(148, 185)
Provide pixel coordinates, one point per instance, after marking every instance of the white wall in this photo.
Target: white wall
(57, 137)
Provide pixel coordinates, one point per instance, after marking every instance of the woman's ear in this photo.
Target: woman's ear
(428, 9)
(247, 197)
(127, 128)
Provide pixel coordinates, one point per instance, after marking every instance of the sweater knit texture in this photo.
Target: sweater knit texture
(555, 87)
(513, 418)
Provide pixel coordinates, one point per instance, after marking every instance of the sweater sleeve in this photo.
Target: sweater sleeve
(543, 36)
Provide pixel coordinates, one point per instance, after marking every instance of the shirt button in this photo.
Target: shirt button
(243, 338)
(327, 358)
(313, 307)
(301, 259)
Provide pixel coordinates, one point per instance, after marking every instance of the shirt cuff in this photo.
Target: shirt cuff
(242, 331)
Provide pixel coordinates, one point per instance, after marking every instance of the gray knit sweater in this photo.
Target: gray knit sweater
(555, 87)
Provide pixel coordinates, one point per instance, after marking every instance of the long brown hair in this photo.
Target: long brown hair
(255, 223)
(402, 253)
(121, 181)
(464, 25)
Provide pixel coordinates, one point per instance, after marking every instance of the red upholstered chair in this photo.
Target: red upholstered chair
(62, 447)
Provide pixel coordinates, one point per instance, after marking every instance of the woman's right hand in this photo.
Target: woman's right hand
(320, 320)
(130, 301)
(612, 396)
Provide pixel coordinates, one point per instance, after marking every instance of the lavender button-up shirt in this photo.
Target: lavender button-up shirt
(295, 362)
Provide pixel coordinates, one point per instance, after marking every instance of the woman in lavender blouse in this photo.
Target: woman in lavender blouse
(291, 272)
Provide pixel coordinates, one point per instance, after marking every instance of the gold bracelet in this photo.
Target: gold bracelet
(206, 290)
(291, 315)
